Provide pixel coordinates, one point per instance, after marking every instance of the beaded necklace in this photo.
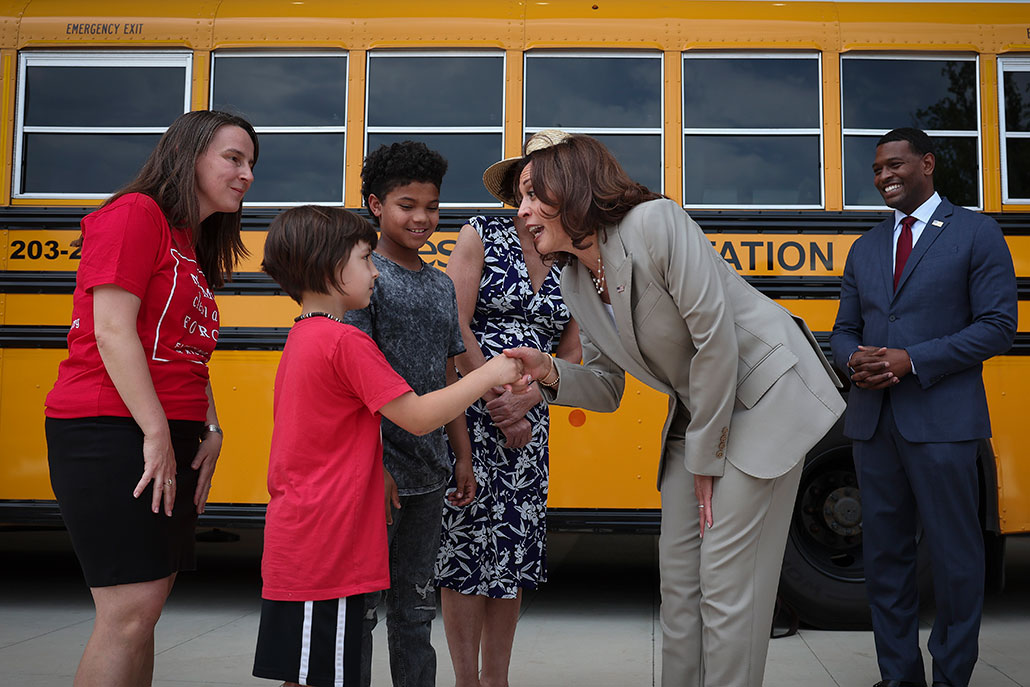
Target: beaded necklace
(318, 313)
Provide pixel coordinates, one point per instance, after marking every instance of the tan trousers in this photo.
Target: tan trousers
(718, 593)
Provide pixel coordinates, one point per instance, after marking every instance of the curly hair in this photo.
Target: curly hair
(398, 164)
(920, 142)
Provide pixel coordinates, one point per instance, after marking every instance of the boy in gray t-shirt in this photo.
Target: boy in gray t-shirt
(413, 318)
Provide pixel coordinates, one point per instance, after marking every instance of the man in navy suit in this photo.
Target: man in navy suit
(927, 296)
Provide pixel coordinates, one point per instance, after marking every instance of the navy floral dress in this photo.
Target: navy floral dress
(497, 543)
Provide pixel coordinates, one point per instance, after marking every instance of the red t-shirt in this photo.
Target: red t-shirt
(325, 530)
(129, 244)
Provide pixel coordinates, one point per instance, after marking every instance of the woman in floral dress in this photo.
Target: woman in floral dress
(494, 547)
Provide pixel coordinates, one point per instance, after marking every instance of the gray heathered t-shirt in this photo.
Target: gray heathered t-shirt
(413, 318)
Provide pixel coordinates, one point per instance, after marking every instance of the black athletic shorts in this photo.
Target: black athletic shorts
(315, 643)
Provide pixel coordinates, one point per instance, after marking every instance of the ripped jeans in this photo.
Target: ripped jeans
(414, 540)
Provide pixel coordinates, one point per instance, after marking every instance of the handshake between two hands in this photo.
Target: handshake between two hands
(519, 367)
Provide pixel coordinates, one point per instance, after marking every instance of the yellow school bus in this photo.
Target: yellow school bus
(760, 118)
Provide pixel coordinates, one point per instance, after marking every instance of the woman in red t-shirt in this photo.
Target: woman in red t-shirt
(132, 433)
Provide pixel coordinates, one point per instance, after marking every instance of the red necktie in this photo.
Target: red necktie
(904, 249)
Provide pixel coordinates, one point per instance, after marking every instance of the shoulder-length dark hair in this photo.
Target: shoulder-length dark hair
(590, 189)
(306, 246)
(169, 176)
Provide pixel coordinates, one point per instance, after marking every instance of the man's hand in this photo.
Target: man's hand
(878, 367)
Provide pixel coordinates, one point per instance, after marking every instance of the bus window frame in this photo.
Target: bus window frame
(771, 131)
(443, 52)
(1011, 63)
(341, 130)
(528, 130)
(87, 58)
(932, 133)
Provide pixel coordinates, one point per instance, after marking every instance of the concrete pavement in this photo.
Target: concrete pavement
(594, 624)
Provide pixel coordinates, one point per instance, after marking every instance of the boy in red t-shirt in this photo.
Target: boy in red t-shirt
(325, 530)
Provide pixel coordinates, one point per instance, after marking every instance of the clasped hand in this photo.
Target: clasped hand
(878, 367)
(507, 404)
(508, 413)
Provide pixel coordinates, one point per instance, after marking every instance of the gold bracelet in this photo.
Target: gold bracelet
(557, 376)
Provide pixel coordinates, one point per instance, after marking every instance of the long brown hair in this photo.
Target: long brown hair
(583, 180)
(169, 176)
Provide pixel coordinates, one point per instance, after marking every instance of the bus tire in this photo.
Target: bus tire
(823, 576)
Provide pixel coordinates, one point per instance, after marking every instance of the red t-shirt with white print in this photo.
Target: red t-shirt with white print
(129, 244)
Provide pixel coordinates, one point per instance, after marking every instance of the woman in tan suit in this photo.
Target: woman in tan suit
(749, 393)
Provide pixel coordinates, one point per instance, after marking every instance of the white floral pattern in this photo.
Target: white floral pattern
(497, 544)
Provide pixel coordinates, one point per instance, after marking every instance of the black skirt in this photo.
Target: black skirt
(95, 463)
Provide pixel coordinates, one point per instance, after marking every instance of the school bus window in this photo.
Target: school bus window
(112, 160)
(298, 105)
(1014, 73)
(616, 97)
(937, 94)
(451, 101)
(86, 121)
(751, 130)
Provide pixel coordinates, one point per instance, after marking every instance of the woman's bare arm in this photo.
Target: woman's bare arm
(114, 320)
(465, 268)
(570, 348)
(207, 455)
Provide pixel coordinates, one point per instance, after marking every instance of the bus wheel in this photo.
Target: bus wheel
(823, 577)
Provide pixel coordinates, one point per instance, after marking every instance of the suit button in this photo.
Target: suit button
(892, 318)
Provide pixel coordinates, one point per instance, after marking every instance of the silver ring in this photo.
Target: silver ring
(169, 483)
(701, 507)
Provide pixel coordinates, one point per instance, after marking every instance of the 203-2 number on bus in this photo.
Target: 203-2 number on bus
(45, 250)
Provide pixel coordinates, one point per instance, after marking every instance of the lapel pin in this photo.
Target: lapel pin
(620, 288)
(937, 223)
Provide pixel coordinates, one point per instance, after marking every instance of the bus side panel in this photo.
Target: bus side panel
(1008, 397)
(605, 460)
(242, 382)
(26, 377)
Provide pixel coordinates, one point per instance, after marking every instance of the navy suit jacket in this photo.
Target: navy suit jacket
(955, 307)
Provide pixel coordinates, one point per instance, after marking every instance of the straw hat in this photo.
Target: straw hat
(493, 177)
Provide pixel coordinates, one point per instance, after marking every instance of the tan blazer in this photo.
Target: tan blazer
(746, 380)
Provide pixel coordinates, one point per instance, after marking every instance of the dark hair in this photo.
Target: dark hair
(398, 164)
(590, 189)
(306, 245)
(169, 176)
(510, 180)
(920, 142)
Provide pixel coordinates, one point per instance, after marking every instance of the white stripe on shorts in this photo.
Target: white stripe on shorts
(341, 631)
(305, 643)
